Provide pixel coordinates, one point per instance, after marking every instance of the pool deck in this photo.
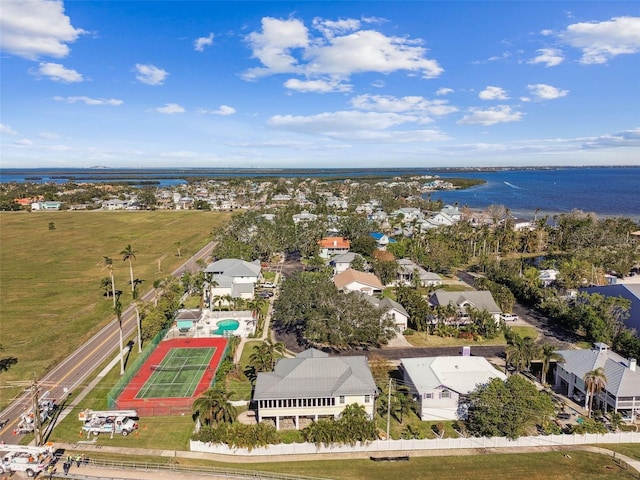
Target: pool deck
(205, 325)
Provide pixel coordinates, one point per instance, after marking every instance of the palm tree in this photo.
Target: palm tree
(214, 407)
(264, 356)
(118, 311)
(107, 262)
(548, 353)
(594, 382)
(520, 353)
(129, 254)
(138, 305)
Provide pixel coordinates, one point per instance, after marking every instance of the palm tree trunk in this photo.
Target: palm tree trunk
(121, 348)
(139, 329)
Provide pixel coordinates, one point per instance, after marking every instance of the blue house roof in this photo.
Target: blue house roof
(629, 291)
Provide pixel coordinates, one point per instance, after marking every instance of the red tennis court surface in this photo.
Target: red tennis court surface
(170, 406)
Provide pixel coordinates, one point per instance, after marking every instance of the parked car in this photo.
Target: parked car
(564, 416)
(266, 295)
(268, 285)
(509, 317)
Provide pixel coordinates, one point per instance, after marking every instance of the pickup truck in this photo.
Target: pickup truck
(112, 425)
(509, 317)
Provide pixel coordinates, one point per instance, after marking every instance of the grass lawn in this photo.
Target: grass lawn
(529, 466)
(421, 339)
(51, 300)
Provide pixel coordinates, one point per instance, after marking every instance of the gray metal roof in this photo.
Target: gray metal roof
(385, 304)
(621, 380)
(234, 267)
(482, 299)
(313, 374)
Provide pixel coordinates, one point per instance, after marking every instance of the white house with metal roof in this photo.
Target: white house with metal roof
(622, 389)
(312, 386)
(440, 384)
(231, 277)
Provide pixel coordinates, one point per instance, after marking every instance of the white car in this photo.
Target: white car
(509, 317)
(268, 285)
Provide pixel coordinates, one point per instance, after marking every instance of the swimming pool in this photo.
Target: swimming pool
(226, 327)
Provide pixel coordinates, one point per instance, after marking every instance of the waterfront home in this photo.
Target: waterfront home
(622, 388)
(440, 384)
(313, 386)
(354, 281)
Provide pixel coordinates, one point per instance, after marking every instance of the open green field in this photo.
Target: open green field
(50, 294)
(179, 373)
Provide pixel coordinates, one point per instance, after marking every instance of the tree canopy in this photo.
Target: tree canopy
(510, 408)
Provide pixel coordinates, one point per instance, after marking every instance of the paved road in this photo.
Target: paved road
(73, 372)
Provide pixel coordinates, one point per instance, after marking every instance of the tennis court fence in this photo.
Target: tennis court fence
(124, 380)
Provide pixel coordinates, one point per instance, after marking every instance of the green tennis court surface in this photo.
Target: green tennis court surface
(179, 373)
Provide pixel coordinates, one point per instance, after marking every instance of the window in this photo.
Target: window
(341, 398)
(367, 398)
(445, 394)
(428, 396)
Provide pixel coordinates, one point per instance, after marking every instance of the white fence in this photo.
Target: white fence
(382, 446)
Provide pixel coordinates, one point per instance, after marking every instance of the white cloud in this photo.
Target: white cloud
(286, 46)
(490, 116)
(7, 130)
(36, 28)
(150, 74)
(272, 46)
(330, 28)
(24, 142)
(357, 126)
(444, 91)
(181, 154)
(601, 41)
(48, 135)
(223, 110)
(626, 138)
(370, 51)
(89, 101)
(493, 93)
(542, 91)
(202, 42)
(414, 104)
(58, 73)
(317, 86)
(550, 57)
(171, 108)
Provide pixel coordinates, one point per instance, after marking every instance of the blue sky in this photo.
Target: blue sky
(319, 83)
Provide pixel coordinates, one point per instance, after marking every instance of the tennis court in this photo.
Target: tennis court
(179, 373)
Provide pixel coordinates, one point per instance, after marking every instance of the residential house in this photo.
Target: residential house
(382, 240)
(340, 263)
(464, 301)
(408, 214)
(114, 204)
(330, 246)
(304, 216)
(407, 270)
(391, 309)
(628, 291)
(231, 277)
(354, 281)
(337, 203)
(313, 386)
(622, 388)
(547, 277)
(440, 384)
(453, 212)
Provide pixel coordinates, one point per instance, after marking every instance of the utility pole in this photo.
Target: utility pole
(389, 410)
(37, 426)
